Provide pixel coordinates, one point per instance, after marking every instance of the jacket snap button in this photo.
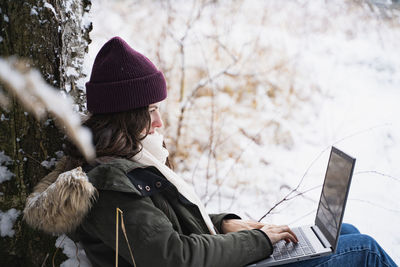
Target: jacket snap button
(147, 188)
(140, 187)
(158, 184)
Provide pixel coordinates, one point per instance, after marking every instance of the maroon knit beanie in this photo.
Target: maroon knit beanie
(123, 79)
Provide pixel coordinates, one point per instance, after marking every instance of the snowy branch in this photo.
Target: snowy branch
(28, 86)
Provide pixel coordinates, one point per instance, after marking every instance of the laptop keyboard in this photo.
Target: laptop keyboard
(283, 250)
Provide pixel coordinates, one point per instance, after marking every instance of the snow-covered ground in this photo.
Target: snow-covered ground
(301, 76)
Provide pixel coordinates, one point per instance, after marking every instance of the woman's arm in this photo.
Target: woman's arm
(154, 242)
(219, 219)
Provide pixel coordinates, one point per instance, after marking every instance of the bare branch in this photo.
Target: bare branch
(232, 166)
(304, 192)
(301, 217)
(192, 96)
(378, 173)
(374, 204)
(287, 197)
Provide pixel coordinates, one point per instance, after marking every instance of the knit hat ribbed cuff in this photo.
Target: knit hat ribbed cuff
(152, 89)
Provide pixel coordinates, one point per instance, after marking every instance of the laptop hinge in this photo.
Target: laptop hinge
(321, 237)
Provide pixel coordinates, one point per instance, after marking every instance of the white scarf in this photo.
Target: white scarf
(154, 154)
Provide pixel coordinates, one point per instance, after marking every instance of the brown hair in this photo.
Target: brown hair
(114, 135)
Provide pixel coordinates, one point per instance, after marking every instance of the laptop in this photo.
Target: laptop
(321, 238)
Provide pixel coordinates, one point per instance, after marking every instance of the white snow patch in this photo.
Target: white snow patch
(59, 154)
(6, 19)
(68, 6)
(7, 220)
(86, 20)
(74, 251)
(5, 174)
(50, 6)
(49, 164)
(34, 12)
(67, 87)
(71, 72)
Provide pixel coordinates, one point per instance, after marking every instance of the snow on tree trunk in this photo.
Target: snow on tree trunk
(53, 36)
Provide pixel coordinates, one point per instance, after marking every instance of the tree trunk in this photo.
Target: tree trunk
(53, 37)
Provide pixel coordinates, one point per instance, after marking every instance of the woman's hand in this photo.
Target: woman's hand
(279, 232)
(274, 232)
(235, 225)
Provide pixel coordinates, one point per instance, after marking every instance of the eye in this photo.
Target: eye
(152, 109)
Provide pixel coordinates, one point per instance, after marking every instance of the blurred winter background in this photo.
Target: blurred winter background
(260, 90)
(258, 93)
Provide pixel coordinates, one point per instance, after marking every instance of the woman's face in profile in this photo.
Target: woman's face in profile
(156, 121)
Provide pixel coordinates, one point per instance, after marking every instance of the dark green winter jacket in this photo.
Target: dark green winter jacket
(162, 227)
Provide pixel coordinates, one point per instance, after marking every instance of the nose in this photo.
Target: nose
(156, 121)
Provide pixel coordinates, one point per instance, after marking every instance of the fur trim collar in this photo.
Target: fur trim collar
(60, 201)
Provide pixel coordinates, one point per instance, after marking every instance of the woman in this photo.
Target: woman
(160, 220)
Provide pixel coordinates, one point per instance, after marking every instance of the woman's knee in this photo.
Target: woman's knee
(362, 250)
(348, 229)
(369, 241)
(358, 242)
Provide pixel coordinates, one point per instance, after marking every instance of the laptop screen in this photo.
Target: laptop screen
(334, 195)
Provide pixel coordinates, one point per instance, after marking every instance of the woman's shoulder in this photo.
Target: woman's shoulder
(111, 174)
(122, 164)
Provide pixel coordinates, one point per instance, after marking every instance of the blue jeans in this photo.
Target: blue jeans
(354, 249)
